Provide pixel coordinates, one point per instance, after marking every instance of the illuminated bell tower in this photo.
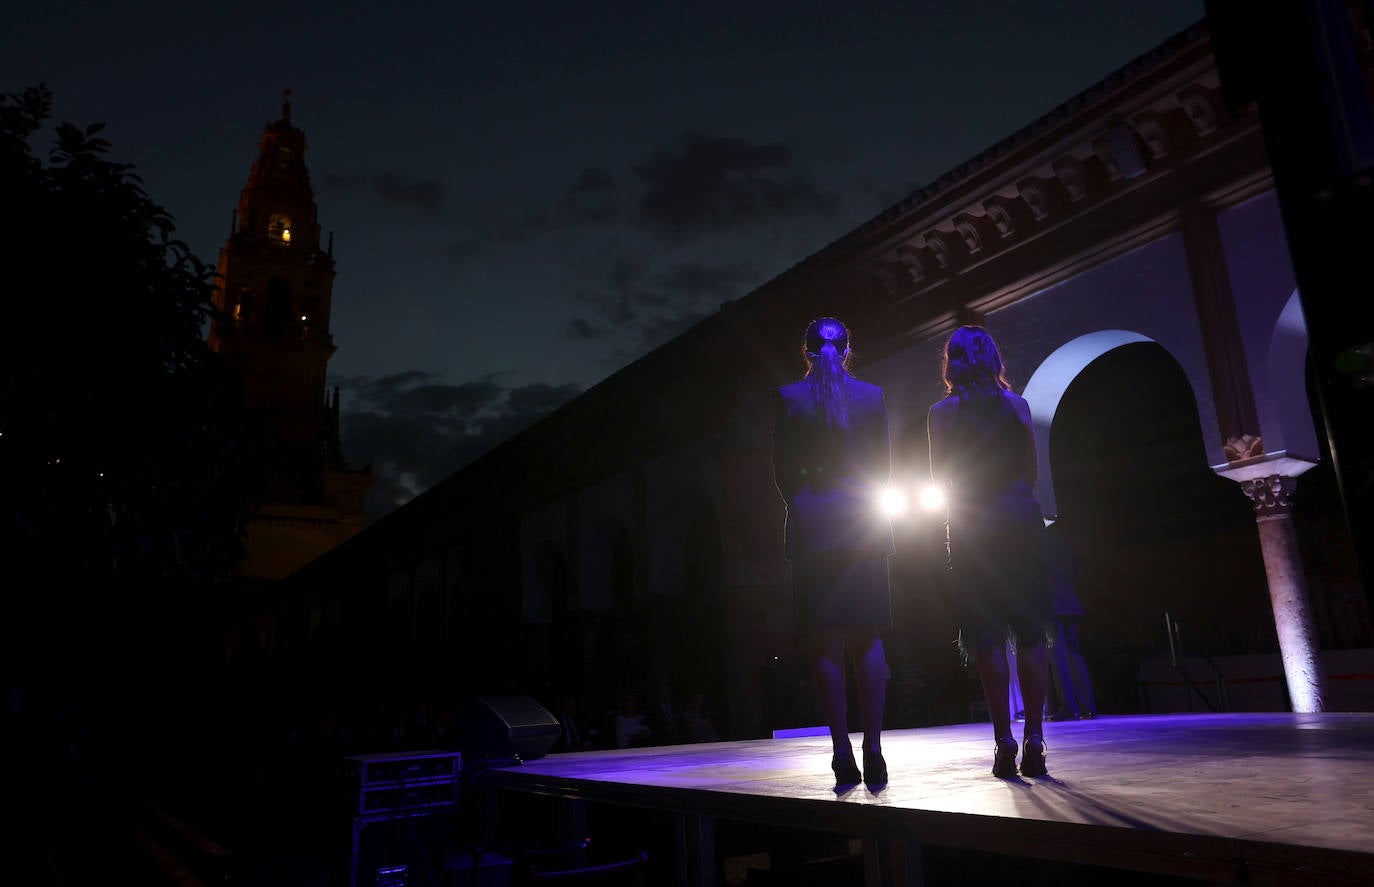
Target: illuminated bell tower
(273, 289)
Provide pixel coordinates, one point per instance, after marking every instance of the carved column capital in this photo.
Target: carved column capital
(1268, 481)
(1272, 496)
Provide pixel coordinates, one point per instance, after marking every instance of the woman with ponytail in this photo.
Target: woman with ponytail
(831, 462)
(982, 455)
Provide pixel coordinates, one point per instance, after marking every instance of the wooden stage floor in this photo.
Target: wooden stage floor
(1221, 798)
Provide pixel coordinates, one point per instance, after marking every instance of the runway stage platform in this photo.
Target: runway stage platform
(1259, 799)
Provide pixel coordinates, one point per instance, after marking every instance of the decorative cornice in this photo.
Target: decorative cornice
(1105, 158)
(1093, 95)
(1150, 118)
(1202, 108)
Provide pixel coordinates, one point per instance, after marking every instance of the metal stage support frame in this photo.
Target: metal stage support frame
(398, 789)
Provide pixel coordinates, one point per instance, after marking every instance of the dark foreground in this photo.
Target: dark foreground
(1176, 799)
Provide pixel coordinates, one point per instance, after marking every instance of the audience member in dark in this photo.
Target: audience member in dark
(662, 718)
(573, 733)
(630, 729)
(696, 721)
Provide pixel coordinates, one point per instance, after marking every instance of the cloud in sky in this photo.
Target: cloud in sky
(416, 429)
(644, 284)
(426, 195)
(697, 186)
(708, 183)
(639, 307)
(632, 261)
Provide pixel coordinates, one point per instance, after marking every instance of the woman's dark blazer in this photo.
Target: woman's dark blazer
(831, 479)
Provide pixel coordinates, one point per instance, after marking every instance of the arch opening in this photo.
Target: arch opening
(1151, 526)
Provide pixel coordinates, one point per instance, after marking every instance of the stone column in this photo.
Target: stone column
(1269, 481)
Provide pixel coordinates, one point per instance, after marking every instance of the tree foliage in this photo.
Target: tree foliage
(125, 459)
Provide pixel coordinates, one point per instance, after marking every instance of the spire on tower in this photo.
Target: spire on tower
(286, 105)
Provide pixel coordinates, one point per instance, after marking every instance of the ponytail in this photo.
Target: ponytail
(827, 360)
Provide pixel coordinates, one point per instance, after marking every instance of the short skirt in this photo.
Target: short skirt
(1002, 587)
(842, 590)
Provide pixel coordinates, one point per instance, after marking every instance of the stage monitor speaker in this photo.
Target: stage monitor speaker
(506, 728)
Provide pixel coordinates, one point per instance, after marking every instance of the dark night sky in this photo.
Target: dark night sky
(526, 196)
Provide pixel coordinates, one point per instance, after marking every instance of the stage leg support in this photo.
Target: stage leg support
(696, 850)
(890, 862)
(491, 818)
(572, 821)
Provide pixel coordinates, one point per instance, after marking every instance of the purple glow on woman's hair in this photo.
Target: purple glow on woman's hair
(826, 330)
(972, 363)
(826, 350)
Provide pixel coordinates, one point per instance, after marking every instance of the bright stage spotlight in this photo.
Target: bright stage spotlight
(932, 498)
(893, 502)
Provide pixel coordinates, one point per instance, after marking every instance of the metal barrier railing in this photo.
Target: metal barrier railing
(1223, 700)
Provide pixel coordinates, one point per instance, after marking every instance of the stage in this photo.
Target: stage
(1225, 798)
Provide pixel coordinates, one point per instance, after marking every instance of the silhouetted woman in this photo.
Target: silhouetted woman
(831, 463)
(982, 454)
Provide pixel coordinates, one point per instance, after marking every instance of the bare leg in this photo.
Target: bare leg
(992, 672)
(829, 669)
(996, 677)
(1032, 666)
(870, 664)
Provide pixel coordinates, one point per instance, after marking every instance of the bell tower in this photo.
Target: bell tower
(273, 289)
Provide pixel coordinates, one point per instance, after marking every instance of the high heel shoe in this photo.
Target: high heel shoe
(1004, 761)
(1033, 756)
(875, 769)
(846, 770)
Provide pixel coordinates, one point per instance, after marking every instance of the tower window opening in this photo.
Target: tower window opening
(280, 228)
(243, 306)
